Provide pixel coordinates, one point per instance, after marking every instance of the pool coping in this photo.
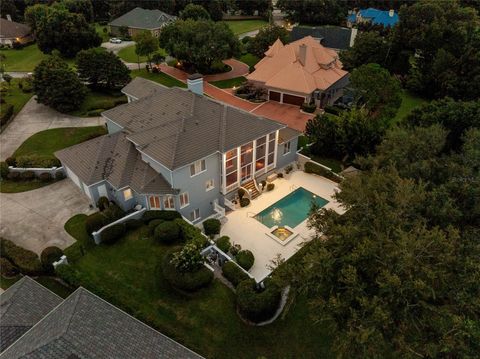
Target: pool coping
(287, 240)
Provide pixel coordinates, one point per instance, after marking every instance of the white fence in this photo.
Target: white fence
(97, 237)
(38, 171)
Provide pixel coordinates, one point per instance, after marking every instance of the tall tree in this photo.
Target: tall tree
(194, 12)
(83, 7)
(248, 7)
(7, 7)
(35, 15)
(266, 37)
(146, 44)
(369, 47)
(57, 86)
(317, 12)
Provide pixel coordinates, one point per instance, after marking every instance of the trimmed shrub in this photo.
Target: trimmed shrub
(103, 203)
(167, 232)
(4, 170)
(189, 281)
(244, 202)
(165, 215)
(112, 213)
(45, 177)
(234, 249)
(6, 114)
(11, 161)
(37, 161)
(153, 224)
(241, 193)
(7, 269)
(223, 243)
(309, 108)
(245, 259)
(113, 233)
(48, 256)
(332, 109)
(69, 275)
(234, 274)
(211, 226)
(270, 186)
(311, 167)
(263, 183)
(28, 175)
(257, 304)
(188, 259)
(14, 176)
(26, 261)
(94, 222)
(59, 175)
(133, 224)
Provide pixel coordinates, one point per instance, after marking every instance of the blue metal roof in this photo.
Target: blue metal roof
(377, 17)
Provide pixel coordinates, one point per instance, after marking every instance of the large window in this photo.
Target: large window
(271, 149)
(184, 199)
(154, 202)
(246, 159)
(127, 194)
(260, 154)
(168, 202)
(197, 167)
(231, 167)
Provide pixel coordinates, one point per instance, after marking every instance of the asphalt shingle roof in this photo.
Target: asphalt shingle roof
(143, 19)
(22, 306)
(140, 87)
(12, 29)
(86, 326)
(335, 37)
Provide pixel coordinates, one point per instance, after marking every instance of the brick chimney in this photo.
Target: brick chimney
(195, 83)
(302, 54)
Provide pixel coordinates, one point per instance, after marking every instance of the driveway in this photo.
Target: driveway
(115, 48)
(35, 219)
(35, 117)
(289, 115)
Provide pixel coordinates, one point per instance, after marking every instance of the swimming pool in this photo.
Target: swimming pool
(291, 210)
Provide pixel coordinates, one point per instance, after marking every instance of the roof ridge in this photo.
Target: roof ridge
(223, 127)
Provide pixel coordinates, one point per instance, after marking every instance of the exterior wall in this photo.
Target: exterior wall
(115, 30)
(117, 196)
(164, 171)
(112, 127)
(199, 197)
(284, 160)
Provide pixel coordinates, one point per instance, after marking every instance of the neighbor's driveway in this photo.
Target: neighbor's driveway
(35, 117)
(35, 219)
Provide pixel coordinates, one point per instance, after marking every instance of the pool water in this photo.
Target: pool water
(291, 210)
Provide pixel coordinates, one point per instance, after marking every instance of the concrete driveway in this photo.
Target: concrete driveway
(35, 117)
(117, 47)
(35, 219)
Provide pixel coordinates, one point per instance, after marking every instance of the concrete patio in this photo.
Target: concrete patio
(251, 234)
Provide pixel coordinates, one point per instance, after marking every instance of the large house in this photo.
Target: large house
(175, 149)
(301, 71)
(36, 323)
(14, 32)
(333, 37)
(138, 20)
(374, 17)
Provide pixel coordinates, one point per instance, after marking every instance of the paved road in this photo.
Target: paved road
(35, 117)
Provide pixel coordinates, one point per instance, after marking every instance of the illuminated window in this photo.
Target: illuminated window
(127, 194)
(168, 202)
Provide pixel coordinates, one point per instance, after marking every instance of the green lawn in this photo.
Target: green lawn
(45, 143)
(409, 102)
(48, 282)
(161, 78)
(226, 84)
(128, 54)
(23, 59)
(7, 186)
(15, 96)
(242, 26)
(250, 59)
(206, 321)
(103, 34)
(96, 102)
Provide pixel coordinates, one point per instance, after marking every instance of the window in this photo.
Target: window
(154, 202)
(209, 185)
(168, 202)
(271, 149)
(231, 167)
(184, 199)
(197, 167)
(260, 154)
(195, 215)
(286, 148)
(127, 194)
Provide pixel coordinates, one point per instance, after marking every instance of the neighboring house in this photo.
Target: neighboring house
(301, 71)
(13, 32)
(138, 20)
(373, 16)
(173, 149)
(333, 37)
(81, 326)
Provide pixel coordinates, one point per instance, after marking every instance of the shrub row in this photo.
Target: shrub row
(165, 215)
(234, 274)
(167, 232)
(98, 220)
(5, 114)
(48, 256)
(191, 233)
(257, 304)
(189, 281)
(307, 107)
(26, 261)
(34, 161)
(311, 167)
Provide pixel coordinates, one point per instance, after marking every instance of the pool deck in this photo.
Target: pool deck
(251, 234)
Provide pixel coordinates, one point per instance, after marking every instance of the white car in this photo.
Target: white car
(115, 40)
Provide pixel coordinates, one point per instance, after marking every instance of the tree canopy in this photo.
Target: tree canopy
(266, 37)
(318, 12)
(194, 12)
(146, 44)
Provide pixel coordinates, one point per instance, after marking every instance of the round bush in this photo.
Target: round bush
(257, 304)
(244, 202)
(241, 193)
(11, 161)
(189, 281)
(13, 176)
(28, 175)
(167, 232)
(133, 224)
(270, 186)
(26, 261)
(59, 175)
(50, 255)
(245, 259)
(234, 249)
(113, 233)
(211, 226)
(103, 203)
(7, 269)
(94, 222)
(234, 274)
(223, 243)
(153, 224)
(45, 177)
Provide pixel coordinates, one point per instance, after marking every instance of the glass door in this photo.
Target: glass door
(246, 173)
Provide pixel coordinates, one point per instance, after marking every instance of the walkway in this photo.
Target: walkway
(238, 69)
(33, 118)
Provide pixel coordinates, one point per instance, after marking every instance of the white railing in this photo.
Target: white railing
(229, 204)
(97, 236)
(219, 209)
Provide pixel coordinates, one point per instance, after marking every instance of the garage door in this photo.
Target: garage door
(274, 96)
(293, 100)
(73, 177)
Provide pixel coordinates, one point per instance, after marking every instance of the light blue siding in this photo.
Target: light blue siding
(112, 127)
(284, 160)
(164, 171)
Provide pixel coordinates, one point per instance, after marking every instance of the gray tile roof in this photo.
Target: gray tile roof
(22, 306)
(12, 29)
(334, 37)
(113, 158)
(143, 19)
(177, 127)
(140, 87)
(86, 326)
(286, 134)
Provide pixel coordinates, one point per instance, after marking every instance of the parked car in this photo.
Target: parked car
(115, 40)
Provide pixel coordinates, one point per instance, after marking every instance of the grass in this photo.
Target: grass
(206, 321)
(250, 59)
(243, 26)
(160, 77)
(409, 102)
(99, 29)
(333, 163)
(226, 84)
(45, 143)
(15, 96)
(48, 282)
(22, 59)
(7, 186)
(128, 54)
(96, 102)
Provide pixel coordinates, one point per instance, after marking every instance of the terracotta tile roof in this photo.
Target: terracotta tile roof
(286, 67)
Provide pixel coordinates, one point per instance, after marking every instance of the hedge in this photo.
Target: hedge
(307, 107)
(311, 167)
(165, 215)
(223, 243)
(245, 259)
(48, 256)
(113, 233)
(244, 202)
(189, 233)
(37, 161)
(133, 224)
(4, 170)
(255, 304)
(7, 269)
(45, 177)
(153, 224)
(68, 274)
(234, 274)
(167, 232)
(94, 222)
(103, 203)
(211, 226)
(190, 281)
(6, 114)
(26, 261)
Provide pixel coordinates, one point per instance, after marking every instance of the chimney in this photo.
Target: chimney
(391, 13)
(302, 54)
(195, 83)
(9, 18)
